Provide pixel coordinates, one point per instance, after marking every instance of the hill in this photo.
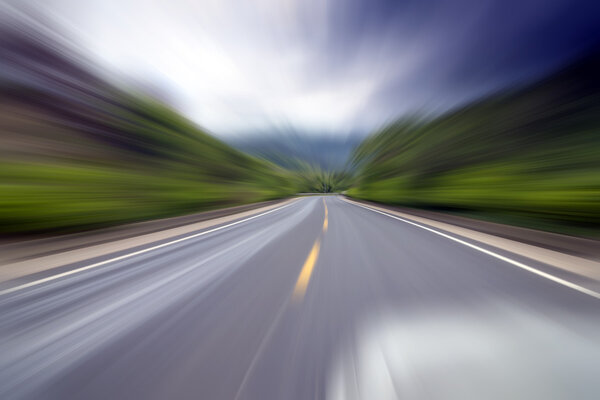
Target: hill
(77, 152)
(529, 156)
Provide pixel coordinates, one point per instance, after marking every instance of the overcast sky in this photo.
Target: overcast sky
(323, 67)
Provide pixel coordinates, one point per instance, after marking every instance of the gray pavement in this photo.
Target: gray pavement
(387, 310)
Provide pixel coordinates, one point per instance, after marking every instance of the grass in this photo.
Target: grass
(529, 157)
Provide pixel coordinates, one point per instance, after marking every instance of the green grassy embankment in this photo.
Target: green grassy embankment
(530, 157)
(77, 152)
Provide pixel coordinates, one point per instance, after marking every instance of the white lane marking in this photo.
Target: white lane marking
(135, 253)
(546, 275)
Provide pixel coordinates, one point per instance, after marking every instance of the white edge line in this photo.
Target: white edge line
(553, 278)
(135, 253)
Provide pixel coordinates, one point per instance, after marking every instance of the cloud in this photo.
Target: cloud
(318, 66)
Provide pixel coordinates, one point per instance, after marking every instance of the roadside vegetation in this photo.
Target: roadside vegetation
(527, 157)
(77, 152)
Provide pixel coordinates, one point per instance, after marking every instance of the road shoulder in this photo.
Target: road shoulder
(585, 267)
(23, 258)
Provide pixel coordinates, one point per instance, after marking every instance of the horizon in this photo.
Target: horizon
(167, 223)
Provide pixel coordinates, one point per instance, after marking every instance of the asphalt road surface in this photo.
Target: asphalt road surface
(318, 299)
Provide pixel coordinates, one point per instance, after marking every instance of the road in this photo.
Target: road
(317, 299)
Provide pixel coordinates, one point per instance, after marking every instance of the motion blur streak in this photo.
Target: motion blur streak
(553, 278)
(392, 311)
(147, 148)
(324, 67)
(428, 355)
(135, 253)
(91, 136)
(306, 272)
(77, 152)
(528, 156)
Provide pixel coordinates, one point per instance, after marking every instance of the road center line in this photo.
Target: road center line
(309, 264)
(306, 272)
(543, 274)
(135, 253)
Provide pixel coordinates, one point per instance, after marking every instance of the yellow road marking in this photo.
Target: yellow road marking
(304, 277)
(309, 264)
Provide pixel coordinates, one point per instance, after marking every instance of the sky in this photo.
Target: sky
(321, 67)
